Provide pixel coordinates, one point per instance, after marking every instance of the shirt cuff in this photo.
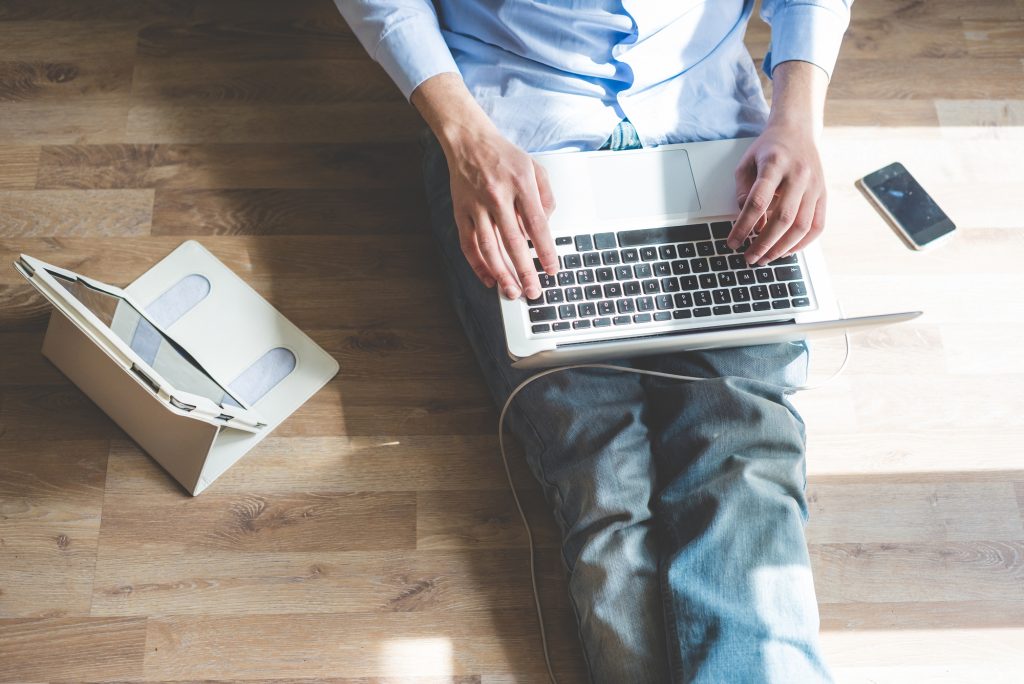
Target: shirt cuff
(412, 51)
(806, 33)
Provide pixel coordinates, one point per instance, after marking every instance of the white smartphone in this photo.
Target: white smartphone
(906, 207)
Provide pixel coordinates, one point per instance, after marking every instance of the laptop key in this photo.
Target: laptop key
(721, 229)
(737, 262)
(642, 270)
(584, 276)
(536, 300)
(688, 282)
(740, 294)
(651, 287)
(592, 259)
(563, 240)
(680, 267)
(622, 320)
(797, 289)
(746, 277)
(670, 285)
(547, 281)
(587, 309)
(657, 236)
(648, 253)
(686, 250)
(683, 300)
(801, 301)
(567, 311)
(703, 311)
(719, 263)
(778, 290)
(610, 258)
(741, 308)
(667, 251)
(605, 241)
(727, 279)
(644, 303)
(541, 328)
(762, 306)
(721, 247)
(584, 243)
(721, 310)
(681, 313)
(577, 325)
(604, 274)
(702, 297)
(642, 318)
(699, 265)
(662, 268)
(706, 249)
(629, 256)
(663, 301)
(631, 288)
(602, 322)
(623, 272)
(759, 292)
(788, 273)
(625, 305)
(612, 290)
(708, 281)
(572, 261)
(592, 291)
(784, 261)
(663, 316)
(780, 303)
(554, 297)
(764, 275)
(605, 307)
(721, 297)
(543, 313)
(560, 326)
(566, 278)
(573, 294)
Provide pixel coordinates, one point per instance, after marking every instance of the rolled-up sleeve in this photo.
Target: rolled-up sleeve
(403, 36)
(805, 30)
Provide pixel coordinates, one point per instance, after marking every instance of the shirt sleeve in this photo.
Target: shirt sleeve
(403, 36)
(805, 30)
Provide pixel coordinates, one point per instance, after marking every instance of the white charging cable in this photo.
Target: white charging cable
(607, 366)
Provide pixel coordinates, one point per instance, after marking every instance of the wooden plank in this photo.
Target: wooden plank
(286, 212)
(51, 497)
(91, 649)
(894, 513)
(383, 122)
(54, 213)
(211, 166)
(110, 10)
(480, 519)
(868, 112)
(863, 78)
(923, 572)
(18, 166)
(285, 81)
(994, 39)
(34, 123)
(395, 463)
(255, 522)
(980, 112)
(360, 645)
(83, 83)
(28, 412)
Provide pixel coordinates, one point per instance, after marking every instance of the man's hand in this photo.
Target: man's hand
(500, 196)
(780, 184)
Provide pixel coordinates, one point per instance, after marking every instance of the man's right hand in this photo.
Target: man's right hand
(500, 196)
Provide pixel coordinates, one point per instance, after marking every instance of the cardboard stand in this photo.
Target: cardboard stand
(189, 360)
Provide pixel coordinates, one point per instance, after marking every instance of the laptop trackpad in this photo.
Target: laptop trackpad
(632, 185)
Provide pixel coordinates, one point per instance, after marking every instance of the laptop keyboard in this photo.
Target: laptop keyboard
(653, 275)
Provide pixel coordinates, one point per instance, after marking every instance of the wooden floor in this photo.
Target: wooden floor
(372, 537)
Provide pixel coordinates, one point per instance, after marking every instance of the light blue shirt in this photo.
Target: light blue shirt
(560, 74)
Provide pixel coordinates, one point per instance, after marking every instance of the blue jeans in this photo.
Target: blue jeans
(681, 504)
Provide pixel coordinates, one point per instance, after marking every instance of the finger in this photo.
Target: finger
(547, 196)
(817, 226)
(801, 226)
(470, 249)
(490, 247)
(535, 223)
(517, 249)
(745, 174)
(783, 214)
(756, 204)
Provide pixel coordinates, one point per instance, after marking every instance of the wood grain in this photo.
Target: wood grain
(372, 538)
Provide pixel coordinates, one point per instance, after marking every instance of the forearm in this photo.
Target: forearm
(448, 107)
(798, 96)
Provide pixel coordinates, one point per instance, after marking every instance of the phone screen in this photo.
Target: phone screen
(908, 203)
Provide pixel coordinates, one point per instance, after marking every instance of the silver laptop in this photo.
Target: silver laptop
(644, 267)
